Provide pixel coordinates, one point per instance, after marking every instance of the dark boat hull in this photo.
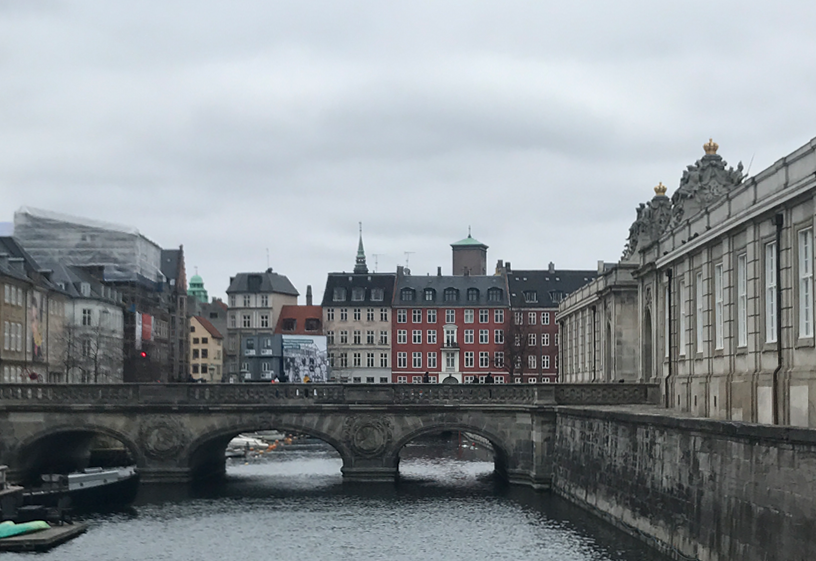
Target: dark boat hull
(115, 494)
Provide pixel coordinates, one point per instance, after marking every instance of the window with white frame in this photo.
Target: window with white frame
(247, 300)
(484, 316)
(806, 283)
(450, 337)
(6, 335)
(344, 337)
(416, 360)
(450, 361)
(498, 359)
(383, 360)
(469, 359)
(357, 337)
(264, 320)
(555, 339)
(86, 316)
(356, 314)
(498, 336)
(468, 336)
(431, 316)
(698, 327)
(531, 339)
(484, 336)
(357, 360)
(343, 314)
(432, 336)
(416, 336)
(402, 316)
(369, 337)
(416, 316)
(383, 314)
(468, 316)
(370, 360)
(545, 339)
(329, 314)
(484, 359)
(498, 316)
(377, 295)
(450, 316)
(402, 336)
(432, 360)
(666, 342)
(545, 318)
(402, 379)
(531, 361)
(246, 320)
(402, 360)
(330, 337)
(518, 318)
(683, 321)
(545, 362)
(531, 318)
(770, 292)
(719, 322)
(383, 337)
(369, 314)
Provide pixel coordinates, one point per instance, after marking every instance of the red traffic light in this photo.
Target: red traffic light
(143, 354)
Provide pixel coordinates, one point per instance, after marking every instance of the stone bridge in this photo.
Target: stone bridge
(176, 433)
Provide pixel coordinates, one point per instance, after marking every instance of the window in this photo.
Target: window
(339, 294)
(416, 316)
(545, 318)
(195, 340)
(232, 301)
(195, 369)
(377, 295)
(545, 339)
(719, 324)
(472, 294)
(431, 360)
(204, 340)
(432, 336)
(555, 339)
(344, 337)
(806, 283)
(531, 318)
(450, 338)
(407, 294)
(683, 321)
(247, 300)
(468, 316)
(450, 316)
(416, 336)
(330, 337)
(402, 336)
(383, 337)
(6, 333)
(494, 294)
(431, 316)
(484, 359)
(246, 320)
(742, 300)
(531, 339)
(329, 314)
(370, 337)
(264, 300)
(402, 316)
(518, 318)
(402, 360)
(357, 340)
(770, 292)
(530, 296)
(370, 360)
(6, 293)
(450, 361)
(517, 339)
(545, 362)
(205, 353)
(699, 315)
(357, 294)
(484, 336)
(451, 295)
(484, 316)
(383, 314)
(531, 361)
(498, 316)
(498, 336)
(356, 314)
(383, 360)
(369, 314)
(86, 348)
(429, 294)
(312, 324)
(416, 360)
(86, 316)
(498, 359)
(265, 320)
(402, 379)
(469, 359)
(250, 345)
(343, 314)
(343, 360)
(356, 360)
(468, 336)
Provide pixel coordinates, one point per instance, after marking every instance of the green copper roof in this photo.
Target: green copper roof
(469, 241)
(196, 279)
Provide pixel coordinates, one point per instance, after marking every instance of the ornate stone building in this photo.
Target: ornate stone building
(713, 297)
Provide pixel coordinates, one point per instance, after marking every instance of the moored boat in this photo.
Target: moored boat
(88, 489)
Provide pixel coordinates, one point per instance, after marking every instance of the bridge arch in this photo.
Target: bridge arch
(65, 448)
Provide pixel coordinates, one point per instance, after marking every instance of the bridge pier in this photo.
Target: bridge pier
(151, 474)
(369, 474)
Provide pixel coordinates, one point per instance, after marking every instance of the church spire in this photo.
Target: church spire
(360, 266)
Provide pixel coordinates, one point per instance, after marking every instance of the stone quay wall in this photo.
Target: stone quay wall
(694, 488)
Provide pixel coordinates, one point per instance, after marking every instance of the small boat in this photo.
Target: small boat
(88, 489)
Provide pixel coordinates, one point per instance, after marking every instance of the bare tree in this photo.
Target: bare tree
(516, 348)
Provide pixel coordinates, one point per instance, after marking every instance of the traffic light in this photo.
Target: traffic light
(143, 354)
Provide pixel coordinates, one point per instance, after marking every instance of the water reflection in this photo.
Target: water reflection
(293, 505)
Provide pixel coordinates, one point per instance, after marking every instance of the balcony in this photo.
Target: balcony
(450, 345)
(249, 352)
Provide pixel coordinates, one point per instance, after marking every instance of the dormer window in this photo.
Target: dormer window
(357, 294)
(289, 324)
(556, 295)
(451, 295)
(530, 296)
(312, 324)
(377, 294)
(339, 294)
(430, 294)
(85, 289)
(494, 294)
(472, 294)
(407, 294)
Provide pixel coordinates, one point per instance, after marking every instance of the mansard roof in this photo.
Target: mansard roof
(545, 288)
(367, 282)
(259, 283)
(439, 283)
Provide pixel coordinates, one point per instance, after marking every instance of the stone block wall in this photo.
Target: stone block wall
(695, 488)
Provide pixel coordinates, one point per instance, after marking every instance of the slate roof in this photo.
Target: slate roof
(256, 283)
(384, 281)
(550, 287)
(71, 278)
(439, 283)
(12, 247)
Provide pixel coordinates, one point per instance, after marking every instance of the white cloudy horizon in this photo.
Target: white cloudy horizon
(252, 126)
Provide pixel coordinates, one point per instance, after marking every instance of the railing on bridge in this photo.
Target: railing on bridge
(306, 394)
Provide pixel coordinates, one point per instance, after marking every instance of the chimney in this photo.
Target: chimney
(601, 267)
(439, 271)
(400, 271)
(508, 268)
(308, 294)
(551, 268)
(499, 266)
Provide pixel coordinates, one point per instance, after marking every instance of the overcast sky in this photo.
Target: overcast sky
(241, 126)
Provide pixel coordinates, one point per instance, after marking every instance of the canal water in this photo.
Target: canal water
(291, 504)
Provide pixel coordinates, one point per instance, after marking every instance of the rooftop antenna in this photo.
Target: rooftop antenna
(376, 260)
(196, 269)
(267, 257)
(407, 257)
(748, 171)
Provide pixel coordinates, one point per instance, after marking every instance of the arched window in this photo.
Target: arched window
(407, 295)
(473, 294)
(451, 295)
(494, 294)
(430, 294)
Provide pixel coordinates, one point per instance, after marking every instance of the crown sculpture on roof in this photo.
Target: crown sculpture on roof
(660, 190)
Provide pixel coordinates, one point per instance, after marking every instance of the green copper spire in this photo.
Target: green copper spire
(360, 266)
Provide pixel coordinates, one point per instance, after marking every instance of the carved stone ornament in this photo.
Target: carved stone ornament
(652, 219)
(367, 435)
(162, 437)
